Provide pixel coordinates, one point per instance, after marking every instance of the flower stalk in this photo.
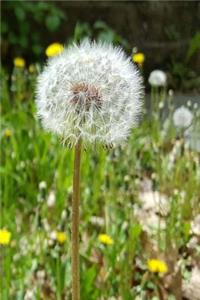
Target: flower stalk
(75, 224)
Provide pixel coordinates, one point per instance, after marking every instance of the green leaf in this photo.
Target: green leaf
(20, 13)
(4, 27)
(106, 36)
(100, 25)
(88, 282)
(52, 23)
(37, 49)
(194, 45)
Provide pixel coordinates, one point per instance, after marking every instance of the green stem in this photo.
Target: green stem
(75, 224)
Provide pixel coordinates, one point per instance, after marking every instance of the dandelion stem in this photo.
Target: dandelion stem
(75, 224)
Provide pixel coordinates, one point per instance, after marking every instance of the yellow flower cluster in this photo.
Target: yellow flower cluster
(138, 58)
(157, 266)
(61, 237)
(19, 62)
(54, 49)
(5, 237)
(105, 239)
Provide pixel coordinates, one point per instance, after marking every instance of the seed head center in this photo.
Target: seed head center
(86, 95)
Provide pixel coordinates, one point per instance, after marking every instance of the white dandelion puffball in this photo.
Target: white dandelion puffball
(182, 117)
(90, 91)
(157, 78)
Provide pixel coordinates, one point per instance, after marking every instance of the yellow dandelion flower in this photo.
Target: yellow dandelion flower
(138, 58)
(31, 68)
(19, 62)
(7, 133)
(54, 49)
(5, 236)
(105, 239)
(61, 237)
(157, 266)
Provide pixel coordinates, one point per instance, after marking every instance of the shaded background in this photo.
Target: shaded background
(166, 31)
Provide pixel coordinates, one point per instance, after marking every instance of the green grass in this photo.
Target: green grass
(110, 189)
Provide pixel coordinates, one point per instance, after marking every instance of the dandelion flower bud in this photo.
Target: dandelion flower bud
(90, 91)
(19, 62)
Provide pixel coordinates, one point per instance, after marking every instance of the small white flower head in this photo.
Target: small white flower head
(157, 78)
(90, 91)
(182, 117)
(42, 185)
(51, 199)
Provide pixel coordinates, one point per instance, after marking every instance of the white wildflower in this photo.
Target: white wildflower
(30, 295)
(51, 199)
(193, 243)
(95, 220)
(182, 117)
(157, 78)
(195, 225)
(40, 274)
(53, 235)
(42, 185)
(90, 91)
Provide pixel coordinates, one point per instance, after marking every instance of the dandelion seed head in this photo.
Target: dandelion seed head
(157, 78)
(90, 91)
(182, 117)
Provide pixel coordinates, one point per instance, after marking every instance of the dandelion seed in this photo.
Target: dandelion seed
(157, 78)
(5, 237)
(157, 266)
(61, 237)
(105, 239)
(90, 91)
(182, 117)
(19, 62)
(54, 49)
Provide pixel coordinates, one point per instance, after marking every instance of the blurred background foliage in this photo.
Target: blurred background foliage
(28, 27)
